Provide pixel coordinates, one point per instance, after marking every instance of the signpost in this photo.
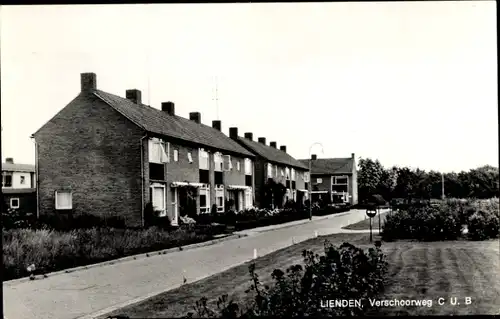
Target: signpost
(371, 212)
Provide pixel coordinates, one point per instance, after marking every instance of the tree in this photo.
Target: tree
(388, 182)
(369, 175)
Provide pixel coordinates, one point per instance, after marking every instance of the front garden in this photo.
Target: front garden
(55, 243)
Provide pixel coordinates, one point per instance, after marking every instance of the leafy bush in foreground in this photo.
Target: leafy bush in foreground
(342, 273)
(52, 250)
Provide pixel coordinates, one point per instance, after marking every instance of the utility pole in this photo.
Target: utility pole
(442, 186)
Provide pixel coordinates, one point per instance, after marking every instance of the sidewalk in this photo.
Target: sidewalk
(96, 291)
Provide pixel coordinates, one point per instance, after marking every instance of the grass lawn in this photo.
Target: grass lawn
(454, 269)
(365, 224)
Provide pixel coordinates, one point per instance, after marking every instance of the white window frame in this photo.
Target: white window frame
(306, 177)
(164, 151)
(238, 166)
(18, 202)
(248, 166)
(175, 207)
(334, 180)
(319, 180)
(226, 159)
(276, 170)
(58, 207)
(176, 155)
(287, 173)
(218, 162)
(163, 212)
(4, 179)
(292, 174)
(219, 192)
(282, 173)
(269, 170)
(204, 158)
(190, 157)
(205, 209)
(248, 198)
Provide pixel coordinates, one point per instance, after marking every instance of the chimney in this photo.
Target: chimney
(283, 148)
(168, 107)
(134, 95)
(233, 132)
(249, 136)
(88, 81)
(9, 160)
(352, 155)
(195, 117)
(314, 157)
(262, 140)
(273, 144)
(216, 125)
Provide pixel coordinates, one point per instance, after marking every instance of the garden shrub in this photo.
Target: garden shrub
(342, 273)
(427, 221)
(53, 250)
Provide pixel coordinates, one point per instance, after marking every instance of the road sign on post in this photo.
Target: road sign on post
(371, 212)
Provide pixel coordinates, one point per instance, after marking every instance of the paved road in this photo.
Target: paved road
(95, 291)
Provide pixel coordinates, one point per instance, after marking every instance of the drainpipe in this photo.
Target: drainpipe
(142, 179)
(36, 177)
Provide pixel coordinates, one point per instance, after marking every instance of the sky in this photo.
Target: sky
(408, 83)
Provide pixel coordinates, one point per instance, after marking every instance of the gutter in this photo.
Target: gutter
(142, 179)
(36, 177)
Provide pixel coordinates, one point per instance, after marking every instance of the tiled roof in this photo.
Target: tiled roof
(9, 167)
(330, 165)
(271, 153)
(18, 190)
(159, 122)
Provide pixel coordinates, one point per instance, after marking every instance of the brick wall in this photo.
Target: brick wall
(95, 152)
(27, 201)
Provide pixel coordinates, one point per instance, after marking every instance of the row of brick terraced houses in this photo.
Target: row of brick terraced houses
(112, 156)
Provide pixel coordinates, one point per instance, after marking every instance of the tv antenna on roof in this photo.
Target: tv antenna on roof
(216, 97)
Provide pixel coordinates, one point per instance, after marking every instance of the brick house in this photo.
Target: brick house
(336, 178)
(112, 156)
(274, 164)
(18, 186)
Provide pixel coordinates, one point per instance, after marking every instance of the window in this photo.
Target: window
(287, 184)
(158, 151)
(293, 174)
(282, 173)
(14, 203)
(269, 170)
(64, 200)
(7, 179)
(287, 172)
(219, 199)
(248, 166)
(339, 188)
(218, 162)
(156, 171)
(238, 167)
(204, 176)
(248, 180)
(339, 180)
(248, 198)
(176, 155)
(306, 177)
(203, 159)
(158, 199)
(228, 165)
(218, 178)
(175, 208)
(204, 200)
(319, 180)
(23, 180)
(190, 157)
(276, 170)
(306, 185)
(293, 185)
